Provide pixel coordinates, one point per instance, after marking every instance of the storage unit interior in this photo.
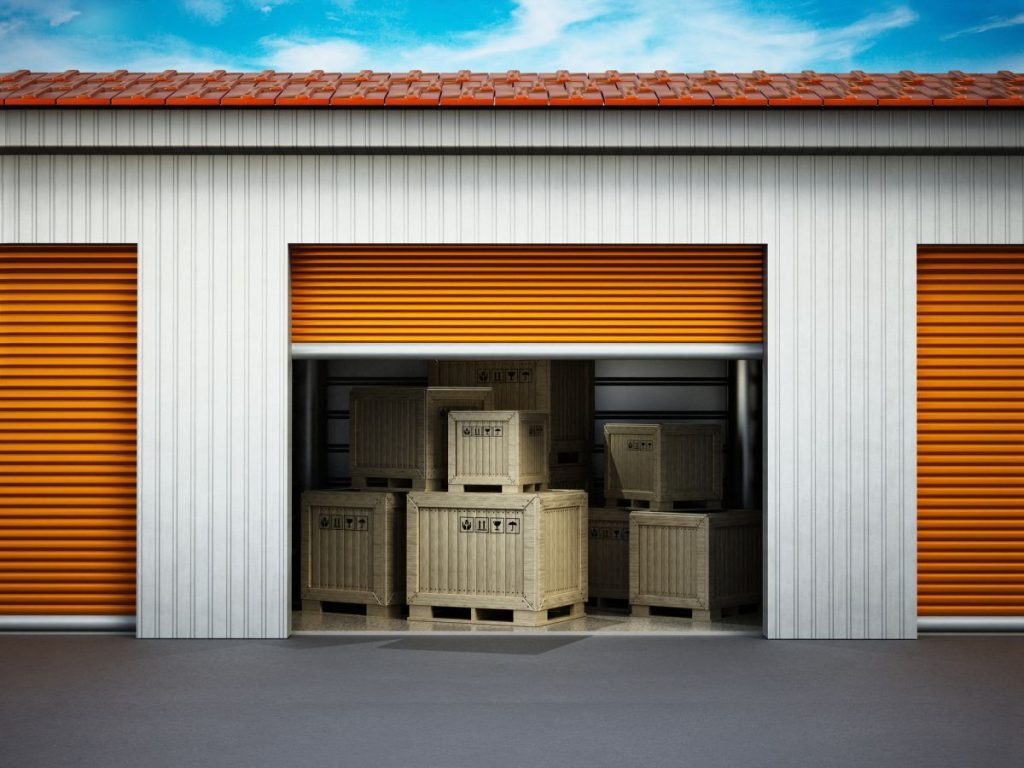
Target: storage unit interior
(725, 392)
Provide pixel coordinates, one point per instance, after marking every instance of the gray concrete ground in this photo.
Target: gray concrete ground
(517, 701)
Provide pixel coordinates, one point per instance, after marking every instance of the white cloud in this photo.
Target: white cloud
(54, 12)
(617, 34)
(210, 11)
(305, 55)
(988, 26)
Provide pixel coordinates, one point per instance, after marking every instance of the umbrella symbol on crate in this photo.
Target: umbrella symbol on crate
(512, 525)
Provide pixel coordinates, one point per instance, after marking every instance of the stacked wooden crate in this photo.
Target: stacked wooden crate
(564, 389)
(353, 541)
(685, 552)
(497, 548)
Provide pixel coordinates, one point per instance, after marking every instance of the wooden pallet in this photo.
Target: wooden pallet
(491, 617)
(709, 614)
(372, 611)
(397, 483)
(521, 488)
(664, 505)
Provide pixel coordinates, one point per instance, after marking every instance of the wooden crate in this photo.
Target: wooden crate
(608, 553)
(564, 389)
(400, 434)
(519, 559)
(488, 449)
(353, 550)
(663, 466)
(705, 562)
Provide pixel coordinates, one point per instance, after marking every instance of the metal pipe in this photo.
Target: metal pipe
(566, 351)
(67, 623)
(970, 624)
(309, 449)
(743, 475)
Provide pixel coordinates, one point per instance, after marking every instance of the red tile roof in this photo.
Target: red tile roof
(508, 89)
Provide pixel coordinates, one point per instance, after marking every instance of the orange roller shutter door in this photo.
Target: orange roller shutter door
(68, 327)
(552, 294)
(971, 431)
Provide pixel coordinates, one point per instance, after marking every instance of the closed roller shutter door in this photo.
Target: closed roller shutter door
(971, 432)
(67, 430)
(526, 294)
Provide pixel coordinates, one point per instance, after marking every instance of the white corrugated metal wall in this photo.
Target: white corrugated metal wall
(213, 233)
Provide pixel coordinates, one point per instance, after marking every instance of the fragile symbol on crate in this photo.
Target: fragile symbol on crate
(350, 523)
(640, 445)
(512, 376)
(490, 525)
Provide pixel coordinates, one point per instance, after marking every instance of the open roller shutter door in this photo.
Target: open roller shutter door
(67, 430)
(971, 432)
(597, 294)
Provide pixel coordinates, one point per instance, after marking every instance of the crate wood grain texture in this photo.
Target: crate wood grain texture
(400, 434)
(353, 550)
(663, 466)
(497, 448)
(706, 561)
(608, 553)
(521, 553)
(564, 389)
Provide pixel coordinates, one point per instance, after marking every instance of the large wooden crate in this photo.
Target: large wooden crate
(663, 466)
(400, 434)
(353, 550)
(497, 448)
(608, 553)
(706, 561)
(562, 388)
(518, 559)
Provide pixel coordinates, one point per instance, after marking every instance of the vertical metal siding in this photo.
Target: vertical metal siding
(213, 233)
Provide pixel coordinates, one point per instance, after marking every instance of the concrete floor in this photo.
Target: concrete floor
(535, 700)
(596, 622)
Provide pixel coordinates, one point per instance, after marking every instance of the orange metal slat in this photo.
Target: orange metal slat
(67, 430)
(481, 294)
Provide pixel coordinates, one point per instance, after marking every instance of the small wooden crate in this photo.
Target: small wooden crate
(518, 559)
(705, 562)
(608, 556)
(353, 550)
(400, 434)
(663, 466)
(564, 389)
(487, 449)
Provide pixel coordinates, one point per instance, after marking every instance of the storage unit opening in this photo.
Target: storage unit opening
(510, 486)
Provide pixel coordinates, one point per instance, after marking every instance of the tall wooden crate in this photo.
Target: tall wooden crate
(562, 388)
(706, 561)
(353, 550)
(663, 466)
(504, 449)
(518, 559)
(400, 434)
(608, 553)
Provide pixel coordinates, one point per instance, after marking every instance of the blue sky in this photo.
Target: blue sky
(530, 35)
